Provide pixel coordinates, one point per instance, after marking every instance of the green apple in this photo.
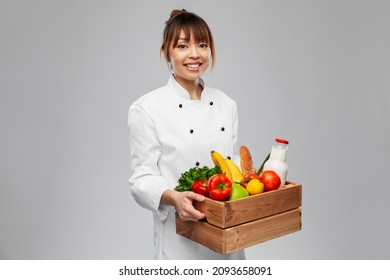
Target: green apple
(238, 191)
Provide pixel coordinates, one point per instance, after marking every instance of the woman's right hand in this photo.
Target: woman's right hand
(183, 202)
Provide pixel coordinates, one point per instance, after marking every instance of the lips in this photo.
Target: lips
(193, 66)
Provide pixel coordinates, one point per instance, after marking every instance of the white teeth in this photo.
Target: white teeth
(193, 65)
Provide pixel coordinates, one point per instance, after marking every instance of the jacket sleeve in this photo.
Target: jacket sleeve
(146, 183)
(236, 156)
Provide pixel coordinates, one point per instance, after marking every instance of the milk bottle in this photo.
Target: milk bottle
(278, 159)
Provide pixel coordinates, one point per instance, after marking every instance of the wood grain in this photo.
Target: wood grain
(241, 236)
(230, 213)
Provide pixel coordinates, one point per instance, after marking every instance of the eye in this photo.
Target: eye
(204, 45)
(181, 46)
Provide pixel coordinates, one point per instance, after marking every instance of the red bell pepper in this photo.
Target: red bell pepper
(200, 187)
(219, 187)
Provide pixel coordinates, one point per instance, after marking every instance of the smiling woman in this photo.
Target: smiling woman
(189, 60)
(165, 122)
(186, 26)
(187, 46)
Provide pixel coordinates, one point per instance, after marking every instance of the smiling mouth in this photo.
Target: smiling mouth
(193, 66)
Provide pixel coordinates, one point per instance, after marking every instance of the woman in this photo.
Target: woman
(173, 129)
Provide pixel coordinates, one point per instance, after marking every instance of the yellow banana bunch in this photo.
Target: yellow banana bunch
(219, 160)
(235, 170)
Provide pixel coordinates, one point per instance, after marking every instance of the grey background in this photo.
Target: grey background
(313, 72)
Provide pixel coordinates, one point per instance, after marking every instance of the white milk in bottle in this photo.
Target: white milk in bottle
(278, 159)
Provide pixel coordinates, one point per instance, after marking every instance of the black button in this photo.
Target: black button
(180, 105)
(191, 131)
(197, 163)
(211, 103)
(222, 128)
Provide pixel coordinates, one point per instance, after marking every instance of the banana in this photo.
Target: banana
(235, 170)
(220, 161)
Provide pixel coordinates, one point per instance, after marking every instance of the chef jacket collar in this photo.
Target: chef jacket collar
(181, 91)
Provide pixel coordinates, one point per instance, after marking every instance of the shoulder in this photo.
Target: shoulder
(151, 100)
(150, 97)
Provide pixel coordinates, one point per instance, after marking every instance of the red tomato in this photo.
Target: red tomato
(270, 179)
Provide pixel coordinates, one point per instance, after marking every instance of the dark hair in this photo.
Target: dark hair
(192, 25)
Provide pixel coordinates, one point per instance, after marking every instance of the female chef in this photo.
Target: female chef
(173, 129)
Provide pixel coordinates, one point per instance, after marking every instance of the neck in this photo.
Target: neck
(193, 87)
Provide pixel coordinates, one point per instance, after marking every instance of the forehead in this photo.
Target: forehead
(184, 37)
(191, 33)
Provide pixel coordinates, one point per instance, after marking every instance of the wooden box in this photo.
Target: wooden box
(234, 225)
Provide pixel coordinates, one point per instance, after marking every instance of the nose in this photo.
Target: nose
(194, 54)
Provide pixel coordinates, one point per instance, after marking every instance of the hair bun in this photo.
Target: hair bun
(174, 13)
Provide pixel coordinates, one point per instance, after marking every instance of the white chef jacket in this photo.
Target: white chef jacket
(169, 134)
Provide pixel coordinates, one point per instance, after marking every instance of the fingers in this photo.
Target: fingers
(195, 196)
(186, 210)
(191, 216)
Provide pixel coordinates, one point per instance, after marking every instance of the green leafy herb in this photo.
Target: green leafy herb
(195, 174)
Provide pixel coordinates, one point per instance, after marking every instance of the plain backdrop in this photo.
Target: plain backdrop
(314, 72)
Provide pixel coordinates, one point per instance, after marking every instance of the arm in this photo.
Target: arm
(236, 156)
(149, 189)
(146, 183)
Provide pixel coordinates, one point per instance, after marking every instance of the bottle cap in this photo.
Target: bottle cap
(281, 141)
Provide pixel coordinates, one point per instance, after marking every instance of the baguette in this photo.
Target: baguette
(246, 161)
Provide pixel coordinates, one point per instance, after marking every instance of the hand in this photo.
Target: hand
(184, 207)
(183, 204)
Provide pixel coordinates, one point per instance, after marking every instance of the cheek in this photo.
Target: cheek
(174, 62)
(206, 62)
(206, 55)
(175, 57)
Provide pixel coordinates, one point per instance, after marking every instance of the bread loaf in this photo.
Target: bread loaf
(246, 161)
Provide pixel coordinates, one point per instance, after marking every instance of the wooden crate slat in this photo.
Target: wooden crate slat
(242, 236)
(213, 210)
(255, 232)
(229, 213)
(202, 233)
